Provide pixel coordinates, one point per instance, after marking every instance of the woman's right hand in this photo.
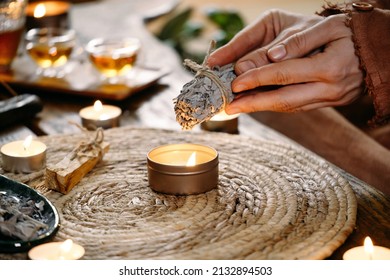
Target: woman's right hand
(312, 60)
(250, 46)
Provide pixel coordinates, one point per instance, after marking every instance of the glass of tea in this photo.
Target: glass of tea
(50, 48)
(12, 19)
(113, 57)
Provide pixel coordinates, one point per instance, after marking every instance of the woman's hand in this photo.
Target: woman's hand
(311, 59)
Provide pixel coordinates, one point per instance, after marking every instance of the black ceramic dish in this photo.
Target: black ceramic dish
(49, 216)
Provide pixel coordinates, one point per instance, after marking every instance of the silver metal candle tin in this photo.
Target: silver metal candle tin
(27, 164)
(105, 124)
(227, 126)
(90, 119)
(168, 176)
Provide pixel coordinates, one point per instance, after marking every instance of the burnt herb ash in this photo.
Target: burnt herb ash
(20, 217)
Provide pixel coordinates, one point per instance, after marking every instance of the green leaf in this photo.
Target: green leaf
(175, 25)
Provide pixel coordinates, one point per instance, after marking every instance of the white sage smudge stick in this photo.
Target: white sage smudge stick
(206, 95)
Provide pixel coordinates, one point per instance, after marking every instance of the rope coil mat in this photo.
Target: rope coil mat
(273, 201)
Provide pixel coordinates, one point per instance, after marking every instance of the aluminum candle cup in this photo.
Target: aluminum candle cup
(222, 122)
(183, 169)
(48, 14)
(99, 115)
(367, 252)
(67, 250)
(19, 157)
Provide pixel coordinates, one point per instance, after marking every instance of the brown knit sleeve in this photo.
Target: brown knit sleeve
(371, 31)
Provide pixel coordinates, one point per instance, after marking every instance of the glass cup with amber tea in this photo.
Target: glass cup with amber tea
(50, 48)
(12, 19)
(114, 58)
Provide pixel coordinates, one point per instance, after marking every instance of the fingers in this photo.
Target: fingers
(291, 71)
(251, 37)
(304, 42)
(253, 60)
(293, 98)
(263, 56)
(285, 99)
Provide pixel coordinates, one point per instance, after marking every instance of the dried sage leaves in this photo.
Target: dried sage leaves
(204, 96)
(19, 217)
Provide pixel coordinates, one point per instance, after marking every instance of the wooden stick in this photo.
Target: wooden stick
(64, 175)
(63, 179)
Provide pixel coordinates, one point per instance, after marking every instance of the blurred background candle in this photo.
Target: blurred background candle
(47, 14)
(183, 169)
(67, 250)
(367, 252)
(222, 122)
(24, 156)
(99, 115)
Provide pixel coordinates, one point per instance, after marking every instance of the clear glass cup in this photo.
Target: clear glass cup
(114, 58)
(50, 48)
(12, 20)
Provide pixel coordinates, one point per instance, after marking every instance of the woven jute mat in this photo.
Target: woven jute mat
(273, 201)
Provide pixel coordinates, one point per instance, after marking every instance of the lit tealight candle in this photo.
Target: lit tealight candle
(24, 156)
(47, 14)
(367, 252)
(222, 122)
(99, 115)
(183, 169)
(67, 250)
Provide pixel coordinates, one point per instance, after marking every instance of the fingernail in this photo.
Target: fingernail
(211, 62)
(231, 110)
(244, 66)
(277, 52)
(238, 87)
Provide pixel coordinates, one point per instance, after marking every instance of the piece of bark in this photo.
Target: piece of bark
(63, 176)
(204, 96)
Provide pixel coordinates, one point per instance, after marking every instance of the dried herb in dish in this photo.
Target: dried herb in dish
(19, 217)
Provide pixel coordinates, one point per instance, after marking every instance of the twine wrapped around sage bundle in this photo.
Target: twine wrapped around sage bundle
(206, 95)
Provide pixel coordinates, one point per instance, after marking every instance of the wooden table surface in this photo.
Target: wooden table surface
(153, 107)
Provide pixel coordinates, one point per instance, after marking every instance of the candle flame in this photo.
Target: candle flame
(368, 246)
(191, 160)
(40, 10)
(98, 106)
(27, 142)
(66, 246)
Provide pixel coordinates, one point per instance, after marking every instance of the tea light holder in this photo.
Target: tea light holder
(183, 169)
(222, 122)
(67, 250)
(48, 14)
(367, 252)
(23, 156)
(99, 115)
